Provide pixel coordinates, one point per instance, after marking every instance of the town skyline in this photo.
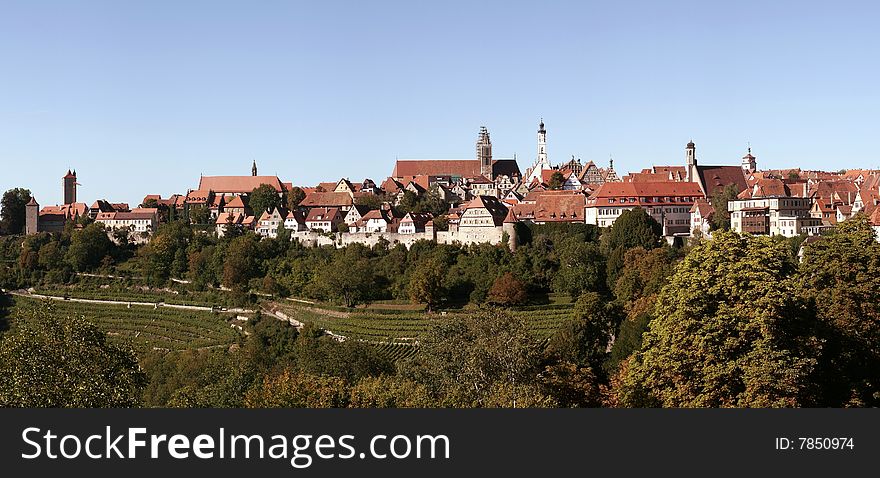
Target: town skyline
(186, 184)
(167, 92)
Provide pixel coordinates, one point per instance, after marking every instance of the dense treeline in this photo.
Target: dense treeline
(732, 321)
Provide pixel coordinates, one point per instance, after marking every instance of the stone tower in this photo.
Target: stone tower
(68, 184)
(690, 158)
(749, 163)
(509, 227)
(484, 153)
(31, 217)
(254, 168)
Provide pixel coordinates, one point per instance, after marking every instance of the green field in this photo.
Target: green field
(385, 326)
(142, 327)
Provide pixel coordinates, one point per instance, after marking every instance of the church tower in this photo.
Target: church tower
(68, 186)
(542, 163)
(542, 144)
(254, 168)
(749, 163)
(690, 158)
(484, 153)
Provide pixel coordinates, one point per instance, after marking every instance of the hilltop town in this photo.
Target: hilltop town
(481, 200)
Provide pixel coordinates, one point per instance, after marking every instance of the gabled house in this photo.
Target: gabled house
(326, 219)
(295, 221)
(701, 217)
(377, 220)
(271, 221)
(355, 214)
(414, 223)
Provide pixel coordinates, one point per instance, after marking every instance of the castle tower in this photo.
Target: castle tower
(68, 185)
(31, 217)
(690, 158)
(254, 168)
(484, 153)
(749, 163)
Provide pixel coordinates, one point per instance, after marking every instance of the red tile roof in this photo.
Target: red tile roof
(703, 208)
(554, 207)
(719, 177)
(238, 184)
(495, 207)
(327, 199)
(875, 217)
(237, 203)
(436, 167)
(765, 188)
(322, 214)
(650, 193)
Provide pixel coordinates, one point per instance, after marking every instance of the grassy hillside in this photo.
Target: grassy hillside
(142, 327)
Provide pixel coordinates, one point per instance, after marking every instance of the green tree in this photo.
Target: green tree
(633, 228)
(719, 199)
(426, 283)
(157, 258)
(348, 278)
(556, 180)
(50, 255)
(389, 392)
(199, 215)
(840, 277)
(371, 201)
(294, 197)
(263, 198)
(729, 331)
(54, 361)
(289, 389)
(581, 268)
(242, 263)
(88, 247)
(408, 203)
(488, 359)
(584, 339)
(12, 210)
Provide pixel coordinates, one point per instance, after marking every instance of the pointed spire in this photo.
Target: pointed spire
(254, 168)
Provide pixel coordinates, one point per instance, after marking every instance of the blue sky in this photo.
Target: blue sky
(143, 97)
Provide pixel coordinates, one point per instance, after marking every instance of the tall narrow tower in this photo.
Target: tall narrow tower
(254, 168)
(68, 186)
(690, 158)
(484, 153)
(542, 144)
(32, 216)
(749, 163)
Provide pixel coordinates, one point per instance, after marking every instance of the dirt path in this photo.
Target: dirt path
(155, 305)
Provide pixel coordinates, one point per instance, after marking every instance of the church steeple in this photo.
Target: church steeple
(690, 161)
(254, 168)
(542, 144)
(484, 153)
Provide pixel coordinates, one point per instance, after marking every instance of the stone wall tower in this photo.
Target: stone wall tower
(690, 158)
(68, 185)
(31, 217)
(254, 168)
(484, 153)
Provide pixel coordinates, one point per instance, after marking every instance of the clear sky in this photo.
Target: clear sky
(143, 97)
